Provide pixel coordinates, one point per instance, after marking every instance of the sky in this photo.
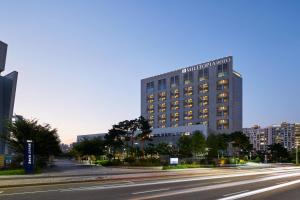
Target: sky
(80, 62)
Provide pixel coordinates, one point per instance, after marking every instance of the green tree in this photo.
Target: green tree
(46, 140)
(165, 149)
(241, 142)
(90, 147)
(198, 143)
(114, 142)
(278, 153)
(185, 146)
(216, 143)
(145, 131)
(151, 150)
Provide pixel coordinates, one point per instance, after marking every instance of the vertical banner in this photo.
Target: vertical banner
(29, 157)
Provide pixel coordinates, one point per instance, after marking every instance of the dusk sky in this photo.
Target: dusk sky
(80, 62)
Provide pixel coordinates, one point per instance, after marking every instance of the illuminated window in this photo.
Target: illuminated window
(162, 96)
(223, 124)
(175, 94)
(203, 88)
(188, 91)
(188, 103)
(222, 84)
(203, 100)
(222, 97)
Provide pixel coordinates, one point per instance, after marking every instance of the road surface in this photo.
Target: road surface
(274, 184)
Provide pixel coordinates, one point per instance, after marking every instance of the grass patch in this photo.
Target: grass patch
(12, 172)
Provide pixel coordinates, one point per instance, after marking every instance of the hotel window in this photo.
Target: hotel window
(162, 96)
(222, 124)
(188, 115)
(203, 113)
(150, 87)
(162, 85)
(174, 94)
(222, 111)
(188, 103)
(162, 107)
(174, 81)
(203, 74)
(222, 70)
(175, 117)
(222, 84)
(150, 98)
(188, 78)
(203, 88)
(188, 91)
(222, 97)
(203, 100)
(174, 105)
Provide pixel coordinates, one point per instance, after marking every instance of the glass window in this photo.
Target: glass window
(188, 78)
(203, 74)
(162, 84)
(150, 87)
(174, 81)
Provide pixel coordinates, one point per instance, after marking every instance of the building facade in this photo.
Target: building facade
(284, 134)
(170, 135)
(209, 94)
(8, 84)
(81, 138)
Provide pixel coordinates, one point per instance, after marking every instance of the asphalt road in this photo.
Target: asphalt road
(284, 184)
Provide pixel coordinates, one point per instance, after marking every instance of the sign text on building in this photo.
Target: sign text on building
(208, 64)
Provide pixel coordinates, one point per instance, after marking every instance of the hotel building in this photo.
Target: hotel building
(207, 94)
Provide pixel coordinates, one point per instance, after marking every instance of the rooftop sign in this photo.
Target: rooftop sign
(207, 64)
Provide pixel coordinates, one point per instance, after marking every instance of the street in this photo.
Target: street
(270, 183)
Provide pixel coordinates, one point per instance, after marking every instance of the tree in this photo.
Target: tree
(278, 153)
(113, 141)
(165, 149)
(145, 129)
(216, 143)
(241, 142)
(185, 146)
(90, 147)
(150, 150)
(198, 143)
(46, 140)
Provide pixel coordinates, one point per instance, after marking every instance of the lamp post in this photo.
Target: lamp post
(297, 161)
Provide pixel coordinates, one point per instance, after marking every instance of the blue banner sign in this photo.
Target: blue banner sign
(29, 157)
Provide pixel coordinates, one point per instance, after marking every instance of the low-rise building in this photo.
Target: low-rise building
(80, 138)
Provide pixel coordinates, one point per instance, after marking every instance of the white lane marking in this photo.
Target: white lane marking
(261, 190)
(226, 195)
(212, 187)
(101, 187)
(149, 191)
(218, 182)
